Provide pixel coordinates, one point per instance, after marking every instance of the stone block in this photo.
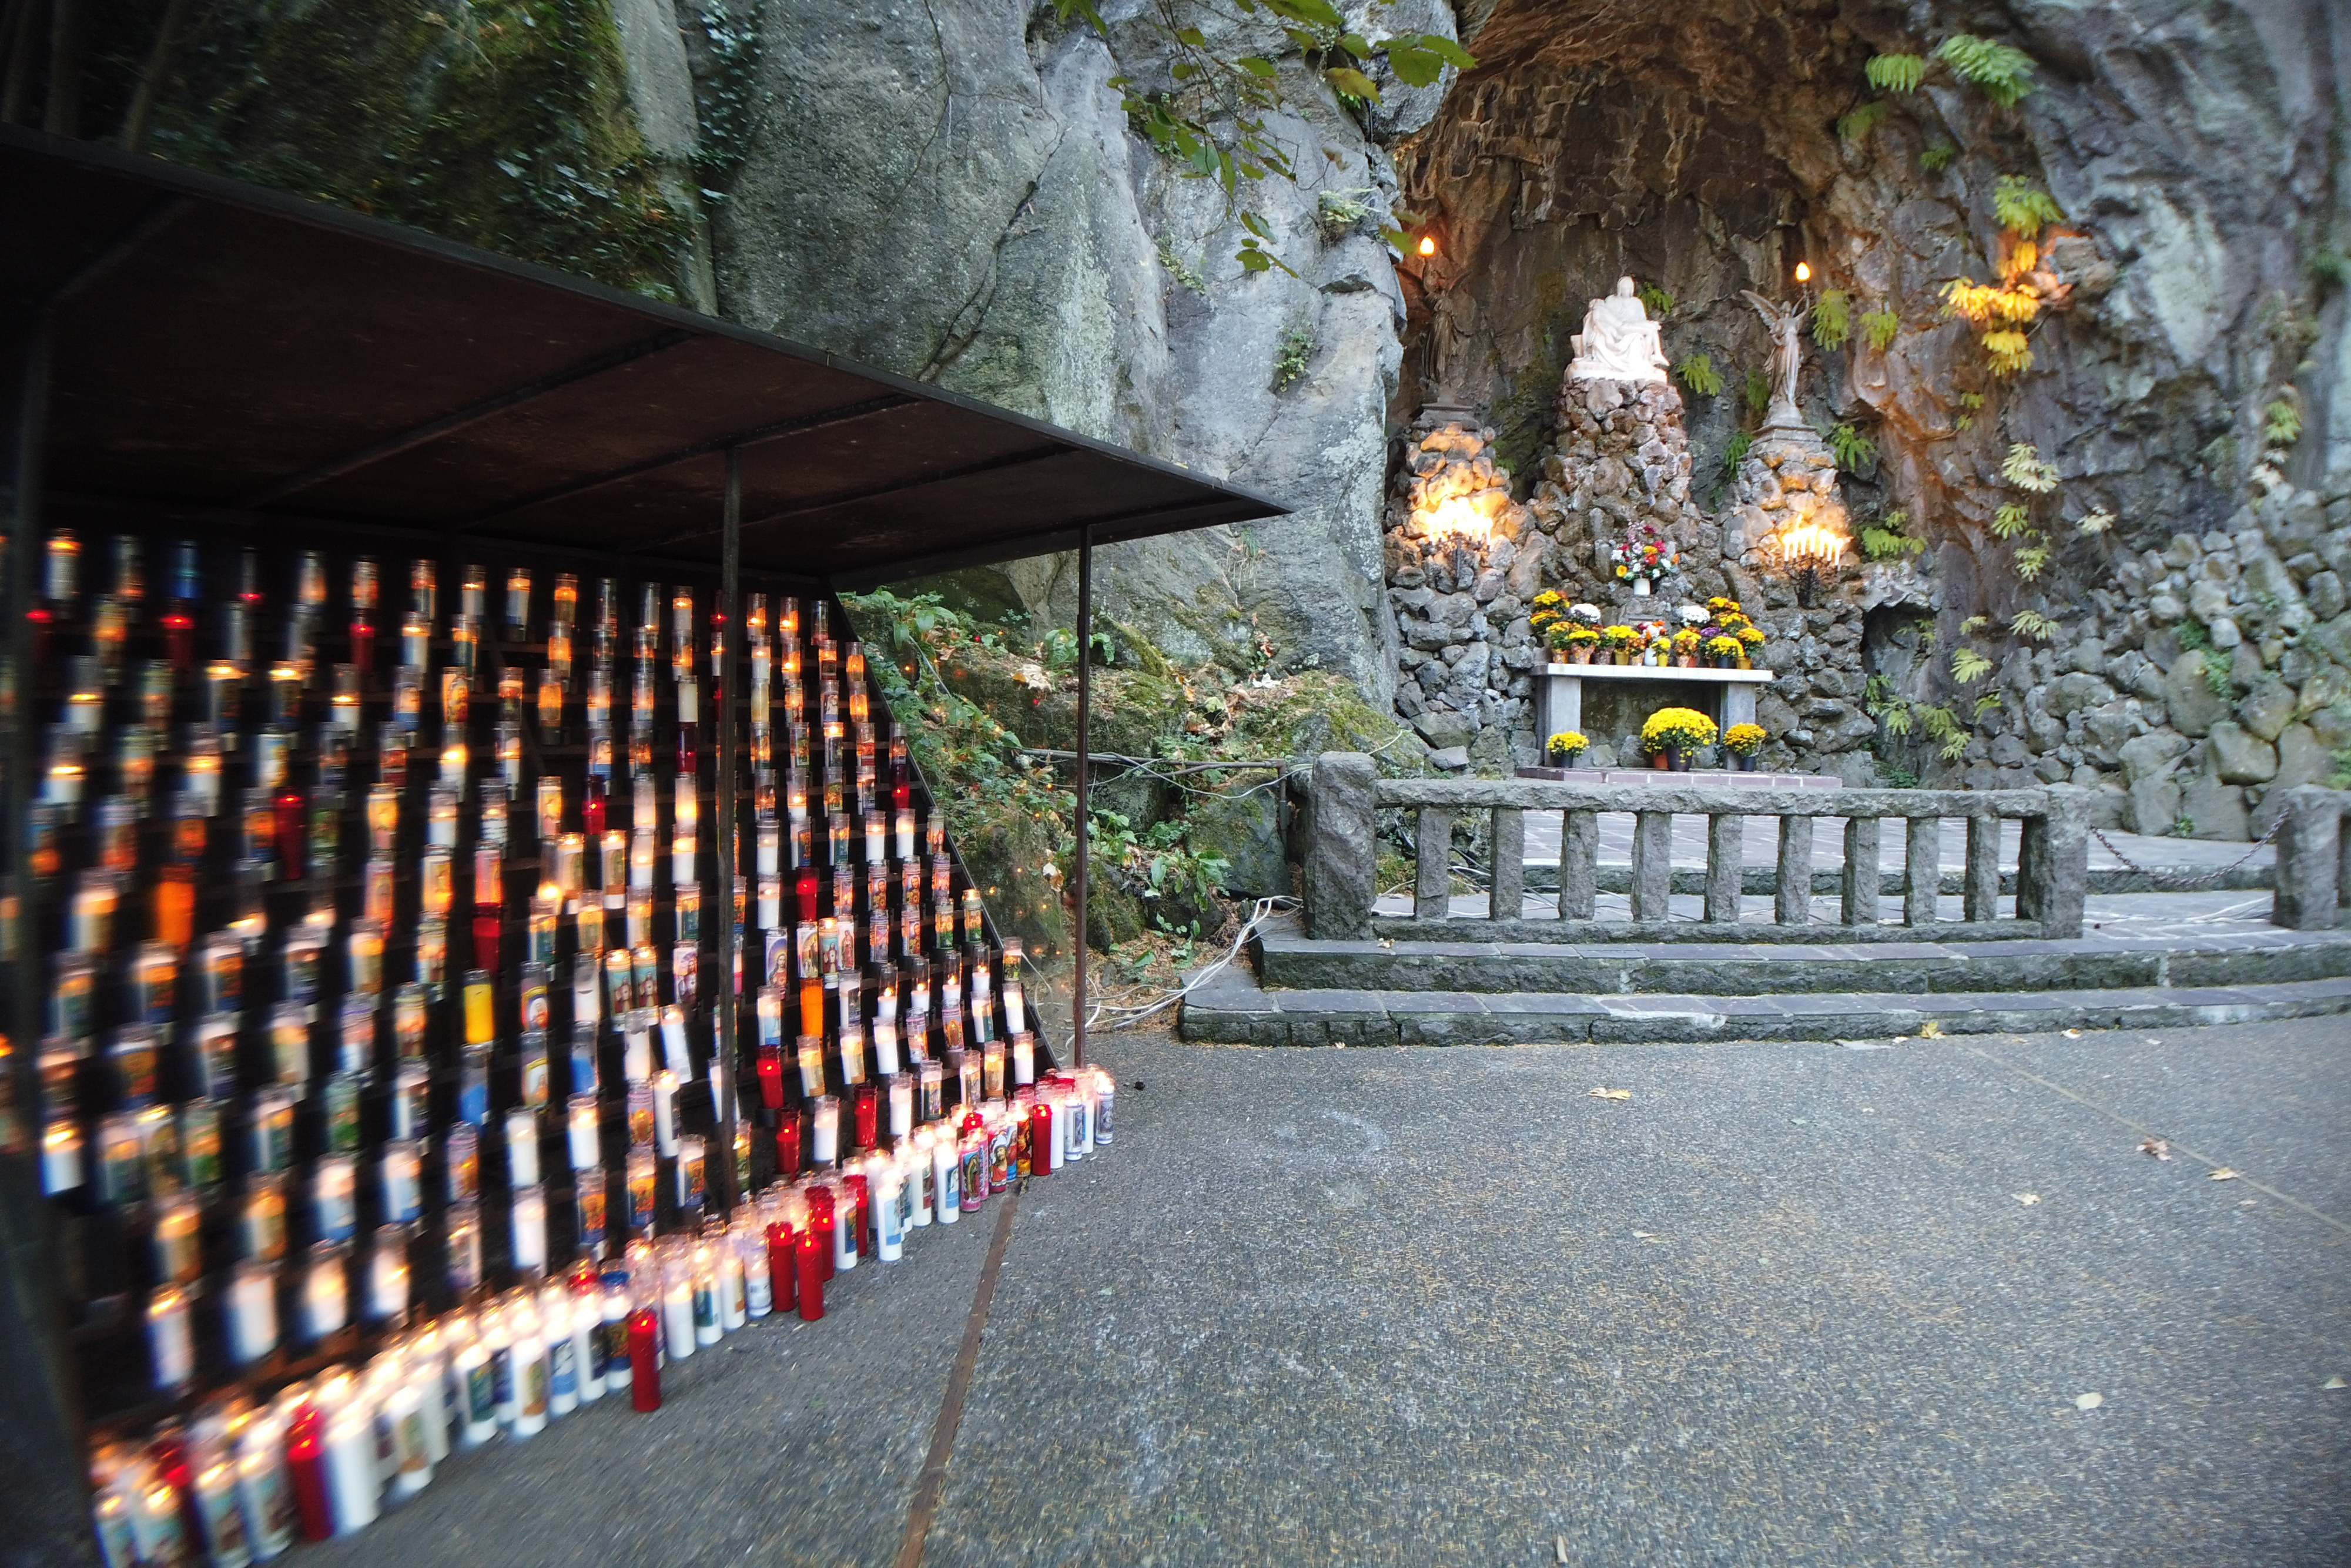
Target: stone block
(2215, 811)
(2188, 697)
(2300, 760)
(2154, 805)
(1441, 729)
(2152, 756)
(2325, 596)
(2207, 600)
(1342, 849)
(2309, 860)
(2267, 709)
(2240, 757)
(1452, 759)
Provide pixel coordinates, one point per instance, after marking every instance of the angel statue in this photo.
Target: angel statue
(1784, 323)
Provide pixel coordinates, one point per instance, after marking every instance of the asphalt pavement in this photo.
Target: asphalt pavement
(1872, 1302)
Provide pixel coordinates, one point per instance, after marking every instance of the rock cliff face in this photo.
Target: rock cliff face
(953, 192)
(2195, 150)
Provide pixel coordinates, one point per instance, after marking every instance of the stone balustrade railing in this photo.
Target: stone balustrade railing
(2313, 861)
(2052, 874)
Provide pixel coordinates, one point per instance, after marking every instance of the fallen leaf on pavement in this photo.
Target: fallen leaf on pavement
(1558, 1546)
(2159, 1147)
(2088, 1401)
(2333, 1383)
(1930, 1029)
(2027, 1198)
(2073, 1034)
(1612, 1094)
(2224, 1173)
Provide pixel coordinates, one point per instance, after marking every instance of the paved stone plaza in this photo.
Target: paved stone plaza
(1840, 1303)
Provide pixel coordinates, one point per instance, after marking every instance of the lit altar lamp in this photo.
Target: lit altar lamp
(613, 864)
(641, 1174)
(975, 919)
(415, 641)
(1015, 1002)
(326, 1300)
(681, 633)
(681, 839)
(433, 953)
(509, 749)
(398, 1176)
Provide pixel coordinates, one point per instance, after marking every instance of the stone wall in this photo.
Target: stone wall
(1464, 652)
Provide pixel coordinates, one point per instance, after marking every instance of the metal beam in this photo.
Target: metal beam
(845, 415)
(831, 503)
(1085, 694)
(722, 706)
(1116, 528)
(463, 418)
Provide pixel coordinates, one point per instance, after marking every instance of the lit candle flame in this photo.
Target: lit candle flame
(1456, 519)
(1807, 544)
(1803, 272)
(1428, 245)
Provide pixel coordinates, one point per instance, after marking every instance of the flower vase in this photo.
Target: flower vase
(1686, 660)
(1661, 760)
(1745, 662)
(1640, 588)
(1681, 762)
(1622, 657)
(1579, 654)
(1742, 762)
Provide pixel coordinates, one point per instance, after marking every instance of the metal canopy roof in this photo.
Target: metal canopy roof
(222, 346)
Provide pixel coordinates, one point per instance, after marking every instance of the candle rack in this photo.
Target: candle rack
(321, 839)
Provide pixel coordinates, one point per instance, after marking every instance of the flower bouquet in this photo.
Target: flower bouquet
(1743, 741)
(1619, 643)
(1685, 643)
(1573, 642)
(1643, 557)
(1672, 734)
(1563, 748)
(1548, 610)
(1722, 649)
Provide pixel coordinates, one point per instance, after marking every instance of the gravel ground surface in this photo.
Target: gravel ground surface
(1784, 1304)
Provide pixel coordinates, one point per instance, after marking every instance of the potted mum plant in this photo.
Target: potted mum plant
(1618, 643)
(1566, 748)
(1685, 647)
(1743, 741)
(1546, 613)
(1672, 734)
(1722, 649)
(1575, 641)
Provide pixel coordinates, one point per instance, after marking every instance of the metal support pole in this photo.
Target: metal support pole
(1085, 694)
(722, 701)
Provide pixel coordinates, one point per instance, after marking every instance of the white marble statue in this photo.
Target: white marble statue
(1619, 342)
(1786, 325)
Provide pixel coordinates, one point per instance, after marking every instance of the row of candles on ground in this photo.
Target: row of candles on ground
(324, 1457)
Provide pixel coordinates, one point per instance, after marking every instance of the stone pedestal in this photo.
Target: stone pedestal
(1561, 690)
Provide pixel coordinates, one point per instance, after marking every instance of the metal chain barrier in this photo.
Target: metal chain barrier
(2169, 882)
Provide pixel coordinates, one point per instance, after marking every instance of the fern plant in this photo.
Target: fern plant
(1699, 374)
(2032, 623)
(1938, 158)
(1759, 391)
(2097, 521)
(1968, 666)
(1833, 319)
(1856, 123)
(2023, 468)
(1854, 450)
(1879, 329)
(2011, 520)
(1658, 302)
(1735, 452)
(1896, 73)
(2022, 207)
(2281, 420)
(2002, 71)
(1889, 538)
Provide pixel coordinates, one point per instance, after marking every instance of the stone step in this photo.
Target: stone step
(1233, 1009)
(1286, 960)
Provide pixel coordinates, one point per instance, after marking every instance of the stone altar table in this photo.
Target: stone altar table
(1560, 691)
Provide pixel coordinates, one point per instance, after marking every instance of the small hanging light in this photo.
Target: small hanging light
(1427, 246)
(1803, 272)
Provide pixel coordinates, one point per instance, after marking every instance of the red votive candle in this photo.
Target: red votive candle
(815, 1261)
(804, 890)
(772, 1081)
(487, 921)
(820, 1224)
(783, 1264)
(306, 1458)
(644, 1359)
(788, 1145)
(868, 1113)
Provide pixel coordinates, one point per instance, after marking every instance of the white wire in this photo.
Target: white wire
(1258, 916)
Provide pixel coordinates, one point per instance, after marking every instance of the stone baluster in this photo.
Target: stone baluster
(1861, 882)
(1726, 856)
(2311, 853)
(1579, 864)
(1922, 869)
(1980, 892)
(1342, 870)
(1653, 865)
(1509, 884)
(1791, 902)
(2052, 863)
(1431, 891)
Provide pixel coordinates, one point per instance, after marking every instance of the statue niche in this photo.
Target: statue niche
(1619, 342)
